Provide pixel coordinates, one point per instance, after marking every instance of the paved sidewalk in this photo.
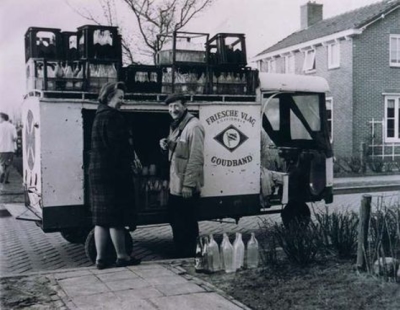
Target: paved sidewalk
(149, 286)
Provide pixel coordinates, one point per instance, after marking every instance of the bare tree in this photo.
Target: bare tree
(154, 18)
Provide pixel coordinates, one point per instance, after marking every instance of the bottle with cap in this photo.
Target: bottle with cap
(252, 252)
(238, 251)
(227, 251)
(213, 246)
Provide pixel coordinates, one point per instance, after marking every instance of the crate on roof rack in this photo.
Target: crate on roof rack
(69, 41)
(42, 43)
(99, 42)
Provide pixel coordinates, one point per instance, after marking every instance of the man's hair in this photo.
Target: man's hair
(174, 98)
(4, 116)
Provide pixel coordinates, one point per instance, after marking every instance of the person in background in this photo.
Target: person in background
(8, 138)
(111, 178)
(186, 155)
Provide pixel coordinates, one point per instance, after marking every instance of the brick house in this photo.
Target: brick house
(358, 52)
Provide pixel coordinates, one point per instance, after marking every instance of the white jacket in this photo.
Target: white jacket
(187, 158)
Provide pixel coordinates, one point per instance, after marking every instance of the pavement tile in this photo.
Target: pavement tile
(97, 301)
(72, 274)
(146, 267)
(151, 273)
(86, 285)
(168, 280)
(179, 289)
(117, 276)
(137, 304)
(140, 293)
(194, 302)
(127, 284)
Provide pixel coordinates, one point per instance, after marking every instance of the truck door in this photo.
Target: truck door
(296, 123)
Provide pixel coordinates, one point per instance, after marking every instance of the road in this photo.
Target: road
(25, 248)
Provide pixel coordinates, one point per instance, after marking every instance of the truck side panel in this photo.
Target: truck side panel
(62, 154)
(232, 150)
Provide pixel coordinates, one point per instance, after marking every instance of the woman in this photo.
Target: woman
(110, 177)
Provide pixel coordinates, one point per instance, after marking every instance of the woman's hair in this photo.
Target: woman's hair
(108, 91)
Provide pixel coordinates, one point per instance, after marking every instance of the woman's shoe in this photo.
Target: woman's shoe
(131, 262)
(100, 264)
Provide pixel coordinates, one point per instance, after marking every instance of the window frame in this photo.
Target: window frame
(313, 67)
(397, 37)
(330, 99)
(332, 64)
(396, 118)
(289, 66)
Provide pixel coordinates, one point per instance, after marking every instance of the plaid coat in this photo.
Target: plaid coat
(110, 174)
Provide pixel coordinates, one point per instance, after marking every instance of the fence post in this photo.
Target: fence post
(363, 156)
(365, 214)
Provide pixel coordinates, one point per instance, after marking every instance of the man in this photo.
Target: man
(8, 137)
(185, 144)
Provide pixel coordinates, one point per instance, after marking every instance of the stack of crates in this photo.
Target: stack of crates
(228, 60)
(142, 78)
(52, 61)
(100, 47)
(72, 61)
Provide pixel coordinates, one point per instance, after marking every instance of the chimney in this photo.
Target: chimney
(310, 14)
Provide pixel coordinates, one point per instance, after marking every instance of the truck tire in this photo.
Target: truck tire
(77, 235)
(296, 212)
(90, 247)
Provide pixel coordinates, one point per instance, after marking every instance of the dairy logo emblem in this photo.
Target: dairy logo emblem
(30, 140)
(231, 138)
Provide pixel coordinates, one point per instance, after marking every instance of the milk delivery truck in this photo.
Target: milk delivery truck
(266, 152)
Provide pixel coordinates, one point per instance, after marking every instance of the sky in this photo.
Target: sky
(264, 22)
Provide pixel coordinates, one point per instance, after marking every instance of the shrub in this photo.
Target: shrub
(384, 239)
(376, 164)
(351, 164)
(267, 242)
(301, 243)
(339, 231)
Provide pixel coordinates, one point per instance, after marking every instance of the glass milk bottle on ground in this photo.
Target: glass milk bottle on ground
(213, 246)
(207, 256)
(252, 252)
(198, 260)
(227, 252)
(238, 251)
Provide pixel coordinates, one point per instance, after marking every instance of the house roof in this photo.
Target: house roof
(350, 20)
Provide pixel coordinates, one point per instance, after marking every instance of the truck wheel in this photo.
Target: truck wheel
(77, 235)
(296, 212)
(90, 247)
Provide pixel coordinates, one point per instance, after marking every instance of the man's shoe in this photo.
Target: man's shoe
(131, 262)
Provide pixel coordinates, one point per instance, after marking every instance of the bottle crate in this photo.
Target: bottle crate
(100, 72)
(142, 79)
(99, 42)
(151, 193)
(69, 41)
(238, 81)
(42, 43)
(165, 57)
(56, 75)
(227, 48)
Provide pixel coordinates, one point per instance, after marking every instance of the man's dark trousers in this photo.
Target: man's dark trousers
(183, 220)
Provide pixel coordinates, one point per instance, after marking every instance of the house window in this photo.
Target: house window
(289, 64)
(334, 55)
(329, 115)
(271, 66)
(395, 50)
(392, 124)
(309, 61)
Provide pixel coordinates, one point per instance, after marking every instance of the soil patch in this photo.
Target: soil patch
(324, 285)
(33, 292)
